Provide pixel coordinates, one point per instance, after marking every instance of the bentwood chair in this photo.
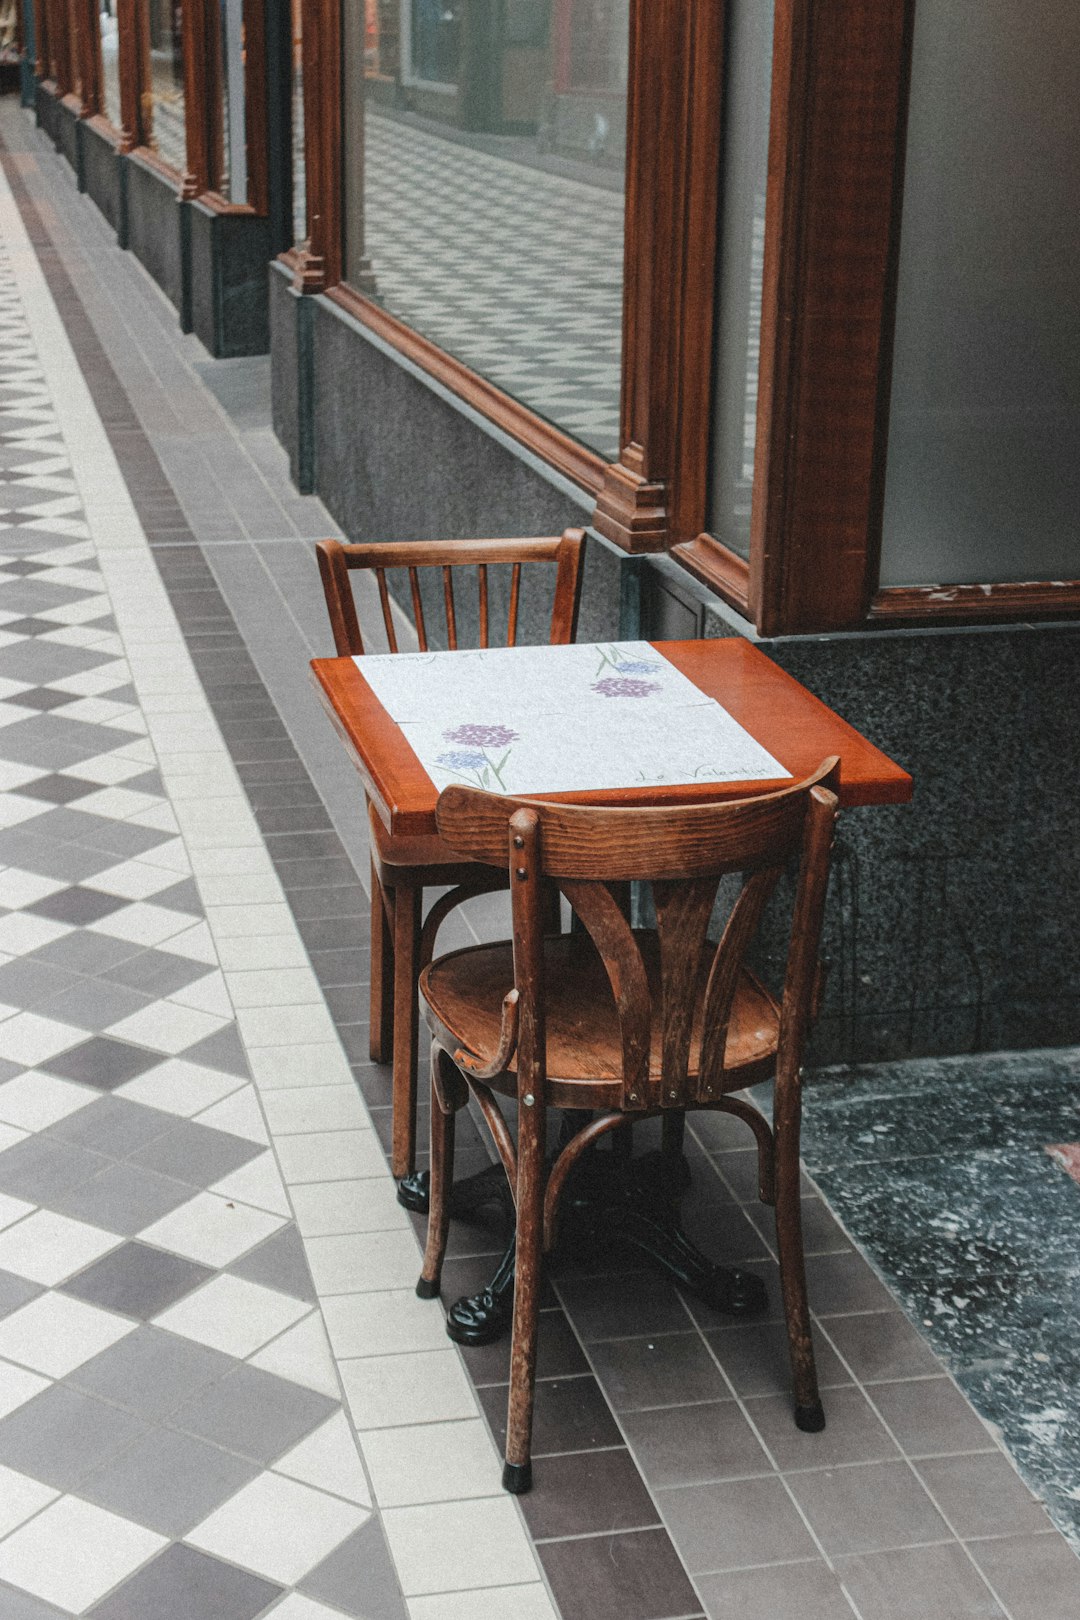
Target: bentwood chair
(402, 868)
(628, 1023)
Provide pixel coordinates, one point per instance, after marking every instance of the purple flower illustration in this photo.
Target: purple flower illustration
(622, 686)
(482, 736)
(472, 761)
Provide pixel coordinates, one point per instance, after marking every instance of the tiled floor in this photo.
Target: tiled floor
(670, 1480)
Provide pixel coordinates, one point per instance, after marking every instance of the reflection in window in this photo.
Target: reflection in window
(228, 132)
(300, 229)
(983, 479)
(748, 33)
(164, 118)
(110, 64)
(489, 136)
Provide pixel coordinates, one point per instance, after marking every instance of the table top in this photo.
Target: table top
(787, 720)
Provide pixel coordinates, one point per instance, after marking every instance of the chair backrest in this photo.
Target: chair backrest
(683, 851)
(564, 552)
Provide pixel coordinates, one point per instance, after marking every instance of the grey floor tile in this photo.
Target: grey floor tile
(67, 863)
(123, 1199)
(197, 1153)
(59, 787)
(167, 1481)
(280, 1263)
(93, 1004)
(152, 1372)
(756, 1358)
(672, 1369)
(881, 1346)
(359, 1577)
(983, 1496)
(113, 1125)
(691, 1445)
(15, 1605)
(183, 896)
(84, 951)
(156, 972)
(841, 1283)
(50, 740)
(852, 1433)
(254, 1413)
(16, 1292)
(930, 1417)
(62, 1434)
(78, 905)
(222, 1050)
(102, 1062)
(26, 983)
(623, 1306)
(917, 1582)
(137, 1280)
(183, 1584)
(40, 1166)
(805, 1591)
(867, 1509)
(733, 1525)
(1037, 1577)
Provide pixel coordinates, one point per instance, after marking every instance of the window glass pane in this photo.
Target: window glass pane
(484, 159)
(228, 129)
(110, 63)
(165, 132)
(983, 479)
(299, 173)
(748, 35)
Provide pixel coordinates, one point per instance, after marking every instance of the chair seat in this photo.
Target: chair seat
(462, 994)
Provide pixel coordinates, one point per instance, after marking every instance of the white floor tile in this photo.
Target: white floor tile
(196, 944)
(435, 1547)
(17, 1386)
(530, 1602)
(426, 1386)
(30, 1039)
(13, 1209)
(47, 1248)
(207, 995)
(20, 1498)
(323, 1063)
(55, 1334)
(432, 1462)
(258, 1183)
(269, 921)
(329, 1460)
(180, 1087)
(135, 880)
(278, 1528)
(74, 1552)
(18, 888)
(324, 1208)
(302, 1355)
(212, 1230)
(296, 1026)
(247, 952)
(383, 1324)
(272, 987)
(293, 1110)
(239, 1114)
(142, 923)
(330, 1156)
(298, 1607)
(9, 1135)
(354, 1262)
(229, 1314)
(34, 1101)
(166, 1026)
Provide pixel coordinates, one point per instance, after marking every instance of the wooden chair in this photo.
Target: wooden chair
(630, 1023)
(402, 868)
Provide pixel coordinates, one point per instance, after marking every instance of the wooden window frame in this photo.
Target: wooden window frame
(203, 101)
(838, 126)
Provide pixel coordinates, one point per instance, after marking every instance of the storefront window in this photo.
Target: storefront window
(983, 480)
(748, 31)
(164, 116)
(110, 64)
(228, 132)
(300, 229)
(487, 212)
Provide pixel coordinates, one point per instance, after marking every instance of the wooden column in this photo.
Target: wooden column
(672, 175)
(198, 78)
(320, 259)
(127, 45)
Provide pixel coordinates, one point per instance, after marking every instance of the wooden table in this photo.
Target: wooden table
(795, 727)
(791, 724)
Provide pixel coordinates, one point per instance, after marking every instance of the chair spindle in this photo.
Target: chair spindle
(451, 621)
(387, 615)
(418, 609)
(515, 593)
(482, 582)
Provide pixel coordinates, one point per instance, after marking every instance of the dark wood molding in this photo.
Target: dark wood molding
(108, 132)
(128, 67)
(200, 78)
(86, 58)
(41, 38)
(969, 604)
(836, 145)
(153, 159)
(722, 570)
(255, 106)
(582, 466)
(656, 491)
(320, 267)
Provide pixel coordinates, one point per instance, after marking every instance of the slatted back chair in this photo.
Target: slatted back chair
(401, 868)
(627, 1022)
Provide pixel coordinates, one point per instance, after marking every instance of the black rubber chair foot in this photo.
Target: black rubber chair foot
(810, 1419)
(517, 1478)
(414, 1192)
(427, 1290)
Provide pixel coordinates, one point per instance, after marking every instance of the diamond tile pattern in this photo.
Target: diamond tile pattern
(130, 1296)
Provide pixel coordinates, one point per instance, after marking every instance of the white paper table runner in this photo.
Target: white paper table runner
(565, 719)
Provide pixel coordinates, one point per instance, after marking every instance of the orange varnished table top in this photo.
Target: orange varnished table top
(792, 724)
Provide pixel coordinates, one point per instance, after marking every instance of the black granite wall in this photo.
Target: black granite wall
(154, 227)
(46, 104)
(284, 362)
(65, 134)
(229, 273)
(101, 168)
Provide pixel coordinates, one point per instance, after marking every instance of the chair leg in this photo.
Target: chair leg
(442, 1182)
(407, 906)
(382, 974)
(809, 1413)
(517, 1470)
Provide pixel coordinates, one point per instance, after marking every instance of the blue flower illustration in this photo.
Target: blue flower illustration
(472, 762)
